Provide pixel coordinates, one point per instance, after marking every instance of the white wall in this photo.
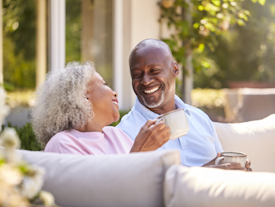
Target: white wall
(137, 20)
(144, 24)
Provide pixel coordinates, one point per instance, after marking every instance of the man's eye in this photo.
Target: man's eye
(106, 84)
(135, 75)
(155, 71)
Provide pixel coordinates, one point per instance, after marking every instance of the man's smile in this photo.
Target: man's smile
(151, 90)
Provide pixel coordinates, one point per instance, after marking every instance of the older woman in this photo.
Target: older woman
(73, 110)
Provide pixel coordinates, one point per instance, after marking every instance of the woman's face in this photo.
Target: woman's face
(103, 99)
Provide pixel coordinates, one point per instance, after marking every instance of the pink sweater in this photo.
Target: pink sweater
(111, 141)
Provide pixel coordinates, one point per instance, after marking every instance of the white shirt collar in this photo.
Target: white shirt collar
(148, 114)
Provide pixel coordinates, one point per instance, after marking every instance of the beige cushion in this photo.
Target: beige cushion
(256, 138)
(203, 187)
(108, 180)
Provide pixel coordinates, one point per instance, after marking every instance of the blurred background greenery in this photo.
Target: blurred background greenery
(19, 44)
(243, 53)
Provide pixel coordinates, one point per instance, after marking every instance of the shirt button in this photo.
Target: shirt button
(183, 143)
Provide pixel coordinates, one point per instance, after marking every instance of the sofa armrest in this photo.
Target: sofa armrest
(204, 187)
(256, 138)
(108, 180)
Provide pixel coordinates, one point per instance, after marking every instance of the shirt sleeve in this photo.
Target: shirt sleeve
(218, 145)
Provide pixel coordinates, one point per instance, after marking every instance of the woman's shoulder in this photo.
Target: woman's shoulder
(117, 135)
(63, 135)
(63, 142)
(111, 129)
(60, 138)
(114, 131)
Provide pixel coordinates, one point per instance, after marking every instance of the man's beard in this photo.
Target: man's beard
(154, 105)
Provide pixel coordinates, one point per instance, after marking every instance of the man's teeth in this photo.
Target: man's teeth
(152, 90)
(115, 102)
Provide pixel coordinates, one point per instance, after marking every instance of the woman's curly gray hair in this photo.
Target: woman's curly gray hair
(61, 101)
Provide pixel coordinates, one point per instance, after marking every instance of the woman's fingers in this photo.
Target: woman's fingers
(151, 136)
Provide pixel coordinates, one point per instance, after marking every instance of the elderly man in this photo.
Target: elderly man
(153, 73)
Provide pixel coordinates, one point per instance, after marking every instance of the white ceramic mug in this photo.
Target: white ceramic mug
(239, 157)
(177, 121)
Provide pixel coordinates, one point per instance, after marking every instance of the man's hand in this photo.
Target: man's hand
(229, 165)
(151, 136)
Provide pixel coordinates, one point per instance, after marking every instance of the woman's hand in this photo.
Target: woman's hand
(151, 136)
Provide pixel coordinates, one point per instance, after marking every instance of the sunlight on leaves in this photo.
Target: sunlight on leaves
(200, 48)
(262, 2)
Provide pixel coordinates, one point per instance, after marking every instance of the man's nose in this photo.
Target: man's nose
(146, 79)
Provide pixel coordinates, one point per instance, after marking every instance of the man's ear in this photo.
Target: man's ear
(175, 69)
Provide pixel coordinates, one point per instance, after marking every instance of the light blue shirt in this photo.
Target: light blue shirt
(199, 146)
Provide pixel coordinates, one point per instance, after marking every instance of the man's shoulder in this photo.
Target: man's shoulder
(200, 117)
(196, 111)
(131, 123)
(126, 119)
(133, 117)
(190, 109)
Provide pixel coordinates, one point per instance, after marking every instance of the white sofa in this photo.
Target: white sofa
(158, 179)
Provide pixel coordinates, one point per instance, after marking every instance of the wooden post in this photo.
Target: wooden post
(1, 43)
(41, 42)
(87, 31)
(187, 85)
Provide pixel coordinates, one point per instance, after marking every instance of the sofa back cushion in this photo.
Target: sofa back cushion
(256, 138)
(108, 180)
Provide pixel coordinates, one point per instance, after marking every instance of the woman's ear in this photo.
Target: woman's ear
(175, 69)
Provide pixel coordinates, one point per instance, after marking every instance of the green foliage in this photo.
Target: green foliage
(198, 23)
(73, 30)
(19, 34)
(244, 53)
(19, 24)
(19, 43)
(27, 137)
(8, 87)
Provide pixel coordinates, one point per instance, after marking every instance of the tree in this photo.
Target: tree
(245, 53)
(197, 25)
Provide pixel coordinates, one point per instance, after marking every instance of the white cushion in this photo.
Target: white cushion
(256, 138)
(206, 187)
(108, 180)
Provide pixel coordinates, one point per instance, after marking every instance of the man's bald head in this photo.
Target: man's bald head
(154, 43)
